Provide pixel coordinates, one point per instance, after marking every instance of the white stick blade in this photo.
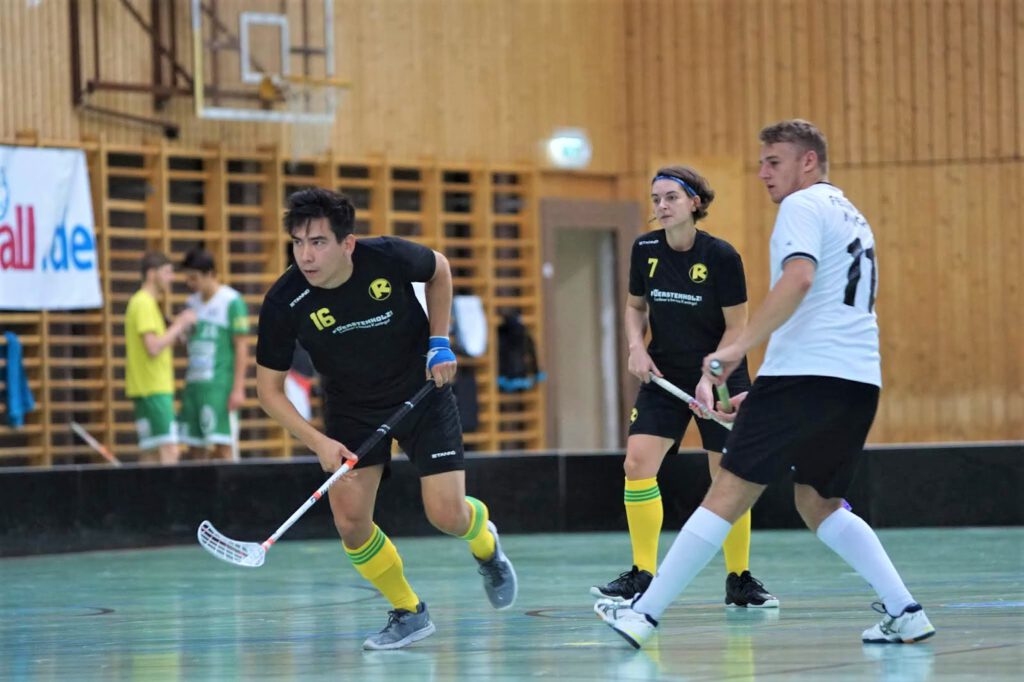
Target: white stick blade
(249, 554)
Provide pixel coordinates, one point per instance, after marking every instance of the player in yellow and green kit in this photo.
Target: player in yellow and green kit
(149, 369)
(218, 357)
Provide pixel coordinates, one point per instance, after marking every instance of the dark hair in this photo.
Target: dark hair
(697, 182)
(153, 260)
(199, 260)
(315, 202)
(803, 134)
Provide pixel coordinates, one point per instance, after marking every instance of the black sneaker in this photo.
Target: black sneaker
(625, 587)
(746, 590)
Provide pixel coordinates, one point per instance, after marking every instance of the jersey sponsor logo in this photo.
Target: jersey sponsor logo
(633, 415)
(298, 298)
(439, 455)
(647, 242)
(660, 296)
(380, 289)
(378, 321)
(698, 273)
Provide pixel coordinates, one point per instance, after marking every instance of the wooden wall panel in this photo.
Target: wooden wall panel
(922, 101)
(454, 79)
(171, 198)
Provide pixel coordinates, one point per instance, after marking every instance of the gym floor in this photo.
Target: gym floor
(179, 614)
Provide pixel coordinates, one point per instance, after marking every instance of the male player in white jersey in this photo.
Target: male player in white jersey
(814, 399)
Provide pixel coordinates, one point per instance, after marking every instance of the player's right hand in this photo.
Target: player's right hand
(186, 318)
(332, 455)
(729, 357)
(641, 366)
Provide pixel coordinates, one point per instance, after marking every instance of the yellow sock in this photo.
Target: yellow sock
(737, 546)
(644, 515)
(479, 536)
(378, 561)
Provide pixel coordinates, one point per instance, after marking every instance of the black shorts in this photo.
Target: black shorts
(657, 412)
(430, 435)
(815, 425)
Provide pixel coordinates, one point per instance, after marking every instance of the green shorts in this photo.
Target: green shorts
(154, 420)
(204, 419)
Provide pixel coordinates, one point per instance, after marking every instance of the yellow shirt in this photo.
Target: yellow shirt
(145, 375)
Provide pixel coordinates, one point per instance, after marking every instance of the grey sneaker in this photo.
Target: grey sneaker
(500, 581)
(403, 628)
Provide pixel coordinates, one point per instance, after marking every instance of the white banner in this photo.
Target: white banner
(48, 258)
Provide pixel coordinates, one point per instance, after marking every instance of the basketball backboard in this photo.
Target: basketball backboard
(265, 60)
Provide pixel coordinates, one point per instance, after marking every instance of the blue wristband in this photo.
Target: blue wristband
(439, 350)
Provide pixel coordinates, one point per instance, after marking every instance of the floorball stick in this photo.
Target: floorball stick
(687, 398)
(723, 391)
(253, 554)
(94, 444)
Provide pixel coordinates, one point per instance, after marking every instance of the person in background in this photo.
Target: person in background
(218, 359)
(690, 287)
(149, 369)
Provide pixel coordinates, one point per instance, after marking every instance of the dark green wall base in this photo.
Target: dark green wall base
(98, 507)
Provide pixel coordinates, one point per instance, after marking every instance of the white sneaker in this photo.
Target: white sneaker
(910, 626)
(634, 627)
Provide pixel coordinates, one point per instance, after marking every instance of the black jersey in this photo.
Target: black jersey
(367, 338)
(685, 293)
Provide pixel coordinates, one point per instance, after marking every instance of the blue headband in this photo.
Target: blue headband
(689, 190)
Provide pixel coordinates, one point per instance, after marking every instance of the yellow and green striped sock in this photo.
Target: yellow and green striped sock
(645, 515)
(378, 561)
(479, 536)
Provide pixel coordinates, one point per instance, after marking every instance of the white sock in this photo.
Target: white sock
(849, 536)
(697, 543)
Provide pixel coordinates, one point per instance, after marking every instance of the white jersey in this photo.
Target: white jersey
(211, 350)
(834, 331)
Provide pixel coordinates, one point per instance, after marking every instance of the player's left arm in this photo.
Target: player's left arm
(779, 305)
(239, 338)
(441, 365)
(237, 396)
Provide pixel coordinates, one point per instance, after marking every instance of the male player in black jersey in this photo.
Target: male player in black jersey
(691, 287)
(351, 305)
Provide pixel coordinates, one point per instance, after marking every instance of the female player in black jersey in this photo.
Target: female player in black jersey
(690, 286)
(351, 306)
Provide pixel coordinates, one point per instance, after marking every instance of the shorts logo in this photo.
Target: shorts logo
(698, 273)
(633, 415)
(439, 455)
(380, 289)
(207, 420)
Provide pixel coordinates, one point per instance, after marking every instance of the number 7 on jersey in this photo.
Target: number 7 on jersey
(654, 264)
